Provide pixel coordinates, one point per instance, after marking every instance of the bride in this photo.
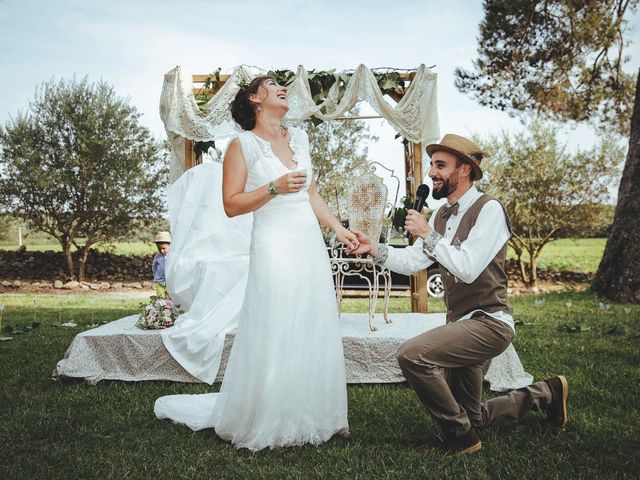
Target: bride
(285, 383)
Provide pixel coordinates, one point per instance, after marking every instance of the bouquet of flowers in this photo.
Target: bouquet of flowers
(159, 313)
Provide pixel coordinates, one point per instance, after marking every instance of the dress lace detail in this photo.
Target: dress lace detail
(267, 150)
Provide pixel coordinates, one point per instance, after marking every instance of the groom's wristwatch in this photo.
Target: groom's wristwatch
(272, 189)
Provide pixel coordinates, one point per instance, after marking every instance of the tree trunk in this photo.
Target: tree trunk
(66, 249)
(618, 276)
(533, 269)
(82, 262)
(517, 249)
(523, 271)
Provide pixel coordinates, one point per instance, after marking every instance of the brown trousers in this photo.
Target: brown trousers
(444, 367)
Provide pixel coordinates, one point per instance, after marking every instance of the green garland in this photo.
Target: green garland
(320, 82)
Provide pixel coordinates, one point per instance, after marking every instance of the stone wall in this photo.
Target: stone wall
(52, 266)
(104, 266)
(550, 274)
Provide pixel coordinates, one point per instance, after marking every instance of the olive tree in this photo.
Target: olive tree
(77, 164)
(547, 191)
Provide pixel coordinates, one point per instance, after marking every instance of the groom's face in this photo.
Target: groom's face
(445, 173)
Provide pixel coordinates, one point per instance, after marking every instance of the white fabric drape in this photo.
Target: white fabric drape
(415, 117)
(206, 269)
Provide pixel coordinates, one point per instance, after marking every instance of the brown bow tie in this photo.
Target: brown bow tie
(448, 211)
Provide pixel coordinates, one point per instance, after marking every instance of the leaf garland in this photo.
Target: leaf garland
(320, 82)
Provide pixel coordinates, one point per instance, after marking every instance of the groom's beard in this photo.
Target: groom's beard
(449, 186)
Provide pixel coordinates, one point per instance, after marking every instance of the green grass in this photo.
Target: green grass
(69, 429)
(122, 248)
(582, 254)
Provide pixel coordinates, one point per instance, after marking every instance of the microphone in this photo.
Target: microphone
(421, 197)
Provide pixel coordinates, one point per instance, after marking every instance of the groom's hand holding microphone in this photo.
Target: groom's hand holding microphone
(416, 224)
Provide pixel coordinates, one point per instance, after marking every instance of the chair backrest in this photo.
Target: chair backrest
(366, 203)
(367, 200)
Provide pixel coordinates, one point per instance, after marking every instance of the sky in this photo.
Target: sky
(131, 44)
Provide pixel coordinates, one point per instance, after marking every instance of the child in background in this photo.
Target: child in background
(163, 242)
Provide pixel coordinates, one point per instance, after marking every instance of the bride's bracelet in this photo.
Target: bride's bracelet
(272, 189)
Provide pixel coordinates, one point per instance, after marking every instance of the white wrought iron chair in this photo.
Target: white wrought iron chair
(368, 206)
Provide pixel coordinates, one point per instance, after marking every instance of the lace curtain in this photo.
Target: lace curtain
(415, 117)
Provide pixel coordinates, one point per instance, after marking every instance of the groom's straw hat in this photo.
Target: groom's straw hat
(462, 148)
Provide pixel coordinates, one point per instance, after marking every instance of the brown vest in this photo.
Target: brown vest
(489, 291)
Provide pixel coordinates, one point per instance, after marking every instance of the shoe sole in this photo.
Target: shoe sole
(565, 395)
(471, 449)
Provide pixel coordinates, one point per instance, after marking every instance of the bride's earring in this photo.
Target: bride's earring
(259, 108)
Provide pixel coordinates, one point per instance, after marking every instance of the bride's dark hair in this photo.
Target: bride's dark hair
(243, 110)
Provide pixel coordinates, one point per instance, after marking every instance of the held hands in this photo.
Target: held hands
(416, 224)
(365, 245)
(348, 238)
(291, 182)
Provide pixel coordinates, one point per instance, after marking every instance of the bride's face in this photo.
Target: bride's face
(271, 95)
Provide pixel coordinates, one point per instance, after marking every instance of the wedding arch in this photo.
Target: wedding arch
(195, 111)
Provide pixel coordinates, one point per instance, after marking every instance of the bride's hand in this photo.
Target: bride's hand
(348, 238)
(291, 182)
(365, 245)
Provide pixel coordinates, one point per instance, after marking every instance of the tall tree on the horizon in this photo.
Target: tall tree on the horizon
(563, 59)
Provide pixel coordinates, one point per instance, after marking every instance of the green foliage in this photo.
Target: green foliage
(72, 429)
(320, 82)
(558, 57)
(546, 190)
(7, 227)
(400, 214)
(78, 164)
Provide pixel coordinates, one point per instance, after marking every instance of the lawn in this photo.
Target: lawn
(68, 429)
(122, 248)
(582, 254)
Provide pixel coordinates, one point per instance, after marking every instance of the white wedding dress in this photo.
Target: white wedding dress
(285, 382)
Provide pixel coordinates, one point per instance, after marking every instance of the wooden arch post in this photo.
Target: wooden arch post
(412, 166)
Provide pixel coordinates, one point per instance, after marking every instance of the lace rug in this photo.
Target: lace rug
(121, 351)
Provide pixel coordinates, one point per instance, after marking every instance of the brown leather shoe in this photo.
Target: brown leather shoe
(557, 409)
(467, 443)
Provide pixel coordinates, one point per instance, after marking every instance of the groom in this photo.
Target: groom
(468, 237)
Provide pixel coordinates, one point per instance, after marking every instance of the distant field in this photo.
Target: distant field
(582, 254)
(122, 248)
(572, 254)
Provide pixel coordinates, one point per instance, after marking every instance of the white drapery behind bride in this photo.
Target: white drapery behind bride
(415, 116)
